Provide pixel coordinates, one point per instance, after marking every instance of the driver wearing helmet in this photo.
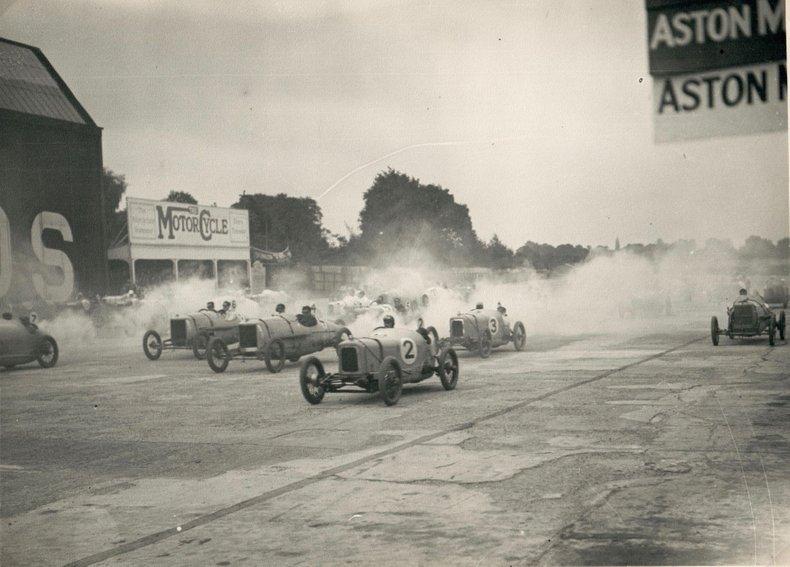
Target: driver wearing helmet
(479, 306)
(389, 322)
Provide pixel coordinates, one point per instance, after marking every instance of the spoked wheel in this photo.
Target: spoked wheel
(217, 355)
(275, 357)
(310, 376)
(782, 325)
(152, 345)
(772, 332)
(519, 336)
(448, 369)
(390, 381)
(714, 331)
(48, 355)
(484, 347)
(200, 345)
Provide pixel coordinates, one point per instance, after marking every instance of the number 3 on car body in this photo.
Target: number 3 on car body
(493, 326)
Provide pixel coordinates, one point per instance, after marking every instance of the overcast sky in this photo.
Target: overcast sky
(537, 115)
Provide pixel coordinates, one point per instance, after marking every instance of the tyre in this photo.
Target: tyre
(772, 332)
(484, 346)
(714, 331)
(200, 345)
(434, 333)
(519, 336)
(448, 369)
(152, 345)
(48, 355)
(782, 325)
(275, 356)
(390, 381)
(217, 355)
(310, 374)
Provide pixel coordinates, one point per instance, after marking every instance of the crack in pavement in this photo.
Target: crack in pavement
(204, 519)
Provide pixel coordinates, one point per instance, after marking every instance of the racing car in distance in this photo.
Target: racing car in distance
(749, 318)
(21, 341)
(192, 332)
(484, 329)
(776, 294)
(273, 340)
(382, 362)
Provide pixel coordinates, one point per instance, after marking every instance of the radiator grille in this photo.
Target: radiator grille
(743, 317)
(248, 336)
(457, 329)
(178, 332)
(348, 359)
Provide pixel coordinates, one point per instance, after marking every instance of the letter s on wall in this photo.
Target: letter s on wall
(51, 257)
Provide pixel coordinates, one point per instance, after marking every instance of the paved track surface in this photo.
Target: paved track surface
(647, 446)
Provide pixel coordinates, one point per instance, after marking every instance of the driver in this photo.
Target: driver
(389, 322)
(479, 306)
(306, 317)
(225, 308)
(423, 331)
(280, 309)
(210, 307)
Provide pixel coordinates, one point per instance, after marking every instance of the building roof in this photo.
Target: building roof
(30, 85)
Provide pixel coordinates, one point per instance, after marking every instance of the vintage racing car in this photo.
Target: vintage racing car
(21, 341)
(192, 332)
(749, 318)
(484, 329)
(273, 340)
(382, 362)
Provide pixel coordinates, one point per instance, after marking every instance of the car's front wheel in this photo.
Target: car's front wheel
(782, 325)
(519, 336)
(217, 355)
(714, 331)
(200, 345)
(275, 356)
(448, 369)
(152, 345)
(390, 381)
(310, 376)
(48, 353)
(484, 346)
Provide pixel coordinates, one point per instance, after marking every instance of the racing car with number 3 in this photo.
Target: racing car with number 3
(192, 332)
(484, 329)
(21, 341)
(273, 340)
(382, 362)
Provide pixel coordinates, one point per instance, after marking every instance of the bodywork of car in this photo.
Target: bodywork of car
(274, 340)
(382, 362)
(192, 332)
(21, 341)
(484, 329)
(749, 318)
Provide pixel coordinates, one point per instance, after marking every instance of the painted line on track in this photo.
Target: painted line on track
(156, 537)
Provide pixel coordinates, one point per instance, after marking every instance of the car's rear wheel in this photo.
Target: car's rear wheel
(390, 381)
(448, 369)
(217, 355)
(519, 336)
(275, 356)
(200, 345)
(714, 331)
(484, 346)
(152, 345)
(782, 325)
(48, 353)
(310, 375)
(772, 332)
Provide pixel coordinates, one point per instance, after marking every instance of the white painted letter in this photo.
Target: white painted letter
(49, 257)
(662, 32)
(765, 15)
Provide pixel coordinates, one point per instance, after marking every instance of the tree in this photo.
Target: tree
(757, 247)
(280, 221)
(181, 197)
(113, 189)
(400, 214)
(498, 255)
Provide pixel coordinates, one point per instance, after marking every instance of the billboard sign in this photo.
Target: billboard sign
(181, 224)
(718, 66)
